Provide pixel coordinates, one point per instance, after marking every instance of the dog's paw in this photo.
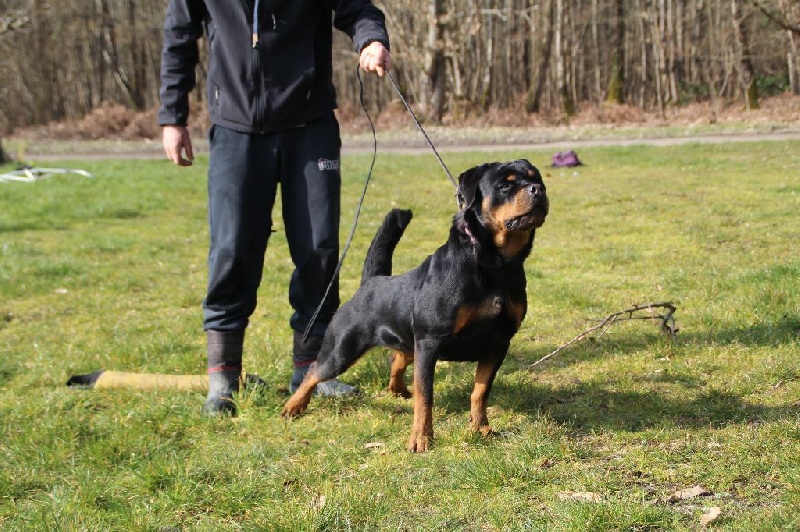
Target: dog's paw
(419, 442)
(294, 407)
(399, 391)
(485, 431)
(478, 420)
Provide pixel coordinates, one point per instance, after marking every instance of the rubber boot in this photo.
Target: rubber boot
(224, 371)
(303, 355)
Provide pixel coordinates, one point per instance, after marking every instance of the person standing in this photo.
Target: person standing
(271, 104)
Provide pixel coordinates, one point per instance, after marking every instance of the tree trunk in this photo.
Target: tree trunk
(747, 73)
(534, 101)
(435, 64)
(565, 99)
(659, 67)
(486, 92)
(137, 59)
(616, 82)
(4, 158)
(598, 88)
(791, 48)
(643, 47)
(111, 55)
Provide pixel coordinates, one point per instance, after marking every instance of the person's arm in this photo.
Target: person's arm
(183, 26)
(366, 26)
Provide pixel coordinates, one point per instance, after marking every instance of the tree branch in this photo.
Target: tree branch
(667, 324)
(779, 19)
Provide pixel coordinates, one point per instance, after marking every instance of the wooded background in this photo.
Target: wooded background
(60, 60)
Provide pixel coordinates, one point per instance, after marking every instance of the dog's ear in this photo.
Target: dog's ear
(468, 184)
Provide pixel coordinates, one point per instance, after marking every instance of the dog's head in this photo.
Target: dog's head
(509, 200)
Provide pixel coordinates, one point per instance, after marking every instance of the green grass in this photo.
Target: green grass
(109, 273)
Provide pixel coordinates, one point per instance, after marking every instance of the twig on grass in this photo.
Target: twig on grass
(667, 324)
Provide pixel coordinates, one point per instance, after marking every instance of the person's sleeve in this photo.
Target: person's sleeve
(183, 26)
(362, 21)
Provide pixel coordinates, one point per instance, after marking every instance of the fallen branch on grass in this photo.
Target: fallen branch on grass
(667, 324)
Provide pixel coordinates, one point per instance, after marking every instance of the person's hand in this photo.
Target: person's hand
(375, 58)
(177, 142)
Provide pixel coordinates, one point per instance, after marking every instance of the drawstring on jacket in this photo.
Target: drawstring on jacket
(256, 38)
(255, 24)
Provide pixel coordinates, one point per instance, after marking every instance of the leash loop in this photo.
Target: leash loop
(357, 214)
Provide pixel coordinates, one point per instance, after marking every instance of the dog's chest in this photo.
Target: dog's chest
(490, 310)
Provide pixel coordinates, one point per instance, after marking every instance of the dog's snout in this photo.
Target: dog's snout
(536, 190)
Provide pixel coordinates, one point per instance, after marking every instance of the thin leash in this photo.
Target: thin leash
(358, 209)
(459, 199)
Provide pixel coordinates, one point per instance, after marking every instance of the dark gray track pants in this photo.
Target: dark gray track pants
(243, 177)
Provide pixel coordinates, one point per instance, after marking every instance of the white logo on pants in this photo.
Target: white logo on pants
(327, 164)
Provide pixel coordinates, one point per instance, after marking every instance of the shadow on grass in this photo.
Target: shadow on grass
(781, 331)
(585, 407)
(669, 398)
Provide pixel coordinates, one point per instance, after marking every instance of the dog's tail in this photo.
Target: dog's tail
(379, 256)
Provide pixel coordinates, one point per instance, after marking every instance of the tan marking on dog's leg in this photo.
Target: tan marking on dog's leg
(478, 418)
(298, 402)
(397, 373)
(422, 429)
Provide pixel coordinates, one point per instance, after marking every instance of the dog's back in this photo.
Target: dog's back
(379, 255)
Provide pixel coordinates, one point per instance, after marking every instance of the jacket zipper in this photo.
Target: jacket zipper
(255, 65)
(257, 80)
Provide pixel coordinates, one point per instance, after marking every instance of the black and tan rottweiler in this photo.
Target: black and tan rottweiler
(463, 303)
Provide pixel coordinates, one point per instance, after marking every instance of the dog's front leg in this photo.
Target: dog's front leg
(422, 430)
(397, 382)
(484, 377)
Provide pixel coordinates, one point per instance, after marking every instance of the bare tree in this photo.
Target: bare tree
(10, 21)
(451, 58)
(747, 74)
(435, 65)
(565, 99)
(616, 82)
(786, 15)
(534, 102)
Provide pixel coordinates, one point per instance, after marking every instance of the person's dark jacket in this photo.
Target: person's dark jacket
(284, 80)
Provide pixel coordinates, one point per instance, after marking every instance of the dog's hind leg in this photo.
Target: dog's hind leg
(298, 402)
(484, 377)
(338, 353)
(397, 373)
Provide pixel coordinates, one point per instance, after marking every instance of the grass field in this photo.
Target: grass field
(109, 273)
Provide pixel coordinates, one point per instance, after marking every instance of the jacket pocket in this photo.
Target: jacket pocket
(232, 104)
(289, 77)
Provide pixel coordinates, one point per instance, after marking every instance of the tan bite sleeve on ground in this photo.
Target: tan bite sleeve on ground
(152, 381)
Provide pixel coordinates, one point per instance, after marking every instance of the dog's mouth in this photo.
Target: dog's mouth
(534, 218)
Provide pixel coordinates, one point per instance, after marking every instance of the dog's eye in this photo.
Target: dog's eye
(505, 185)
